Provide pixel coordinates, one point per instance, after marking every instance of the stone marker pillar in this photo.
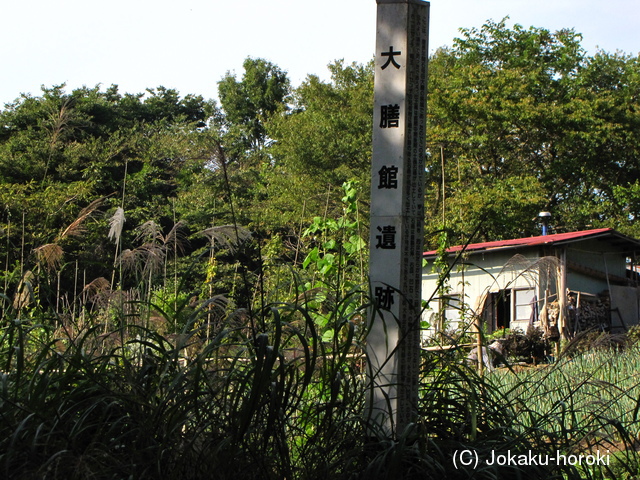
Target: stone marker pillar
(397, 210)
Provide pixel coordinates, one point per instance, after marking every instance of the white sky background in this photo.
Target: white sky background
(189, 45)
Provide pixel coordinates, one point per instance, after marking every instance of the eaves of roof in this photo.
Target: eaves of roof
(545, 240)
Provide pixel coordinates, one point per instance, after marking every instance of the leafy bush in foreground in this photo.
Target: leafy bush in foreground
(264, 398)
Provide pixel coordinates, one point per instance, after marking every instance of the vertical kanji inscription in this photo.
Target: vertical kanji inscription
(397, 210)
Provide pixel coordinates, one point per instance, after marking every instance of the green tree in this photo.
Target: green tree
(328, 132)
(322, 142)
(609, 143)
(249, 102)
(526, 121)
(60, 152)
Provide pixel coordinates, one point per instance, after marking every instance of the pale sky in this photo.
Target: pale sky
(189, 45)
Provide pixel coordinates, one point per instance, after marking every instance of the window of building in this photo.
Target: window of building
(523, 302)
(452, 308)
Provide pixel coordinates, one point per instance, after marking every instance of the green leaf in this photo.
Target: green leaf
(312, 257)
(328, 336)
(330, 244)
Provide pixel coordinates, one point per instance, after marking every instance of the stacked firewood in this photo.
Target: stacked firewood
(582, 314)
(587, 315)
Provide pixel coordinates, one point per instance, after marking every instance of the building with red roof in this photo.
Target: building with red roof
(563, 283)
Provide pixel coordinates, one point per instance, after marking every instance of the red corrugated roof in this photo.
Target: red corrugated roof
(530, 241)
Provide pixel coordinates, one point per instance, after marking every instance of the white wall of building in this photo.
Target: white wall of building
(474, 278)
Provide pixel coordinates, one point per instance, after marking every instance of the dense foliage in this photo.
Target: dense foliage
(183, 283)
(288, 404)
(520, 120)
(527, 121)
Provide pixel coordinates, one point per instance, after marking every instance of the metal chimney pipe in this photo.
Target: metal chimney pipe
(544, 220)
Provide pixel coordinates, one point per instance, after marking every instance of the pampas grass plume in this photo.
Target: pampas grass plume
(116, 223)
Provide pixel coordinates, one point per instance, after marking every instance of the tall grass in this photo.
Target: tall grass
(135, 404)
(274, 391)
(589, 401)
(280, 403)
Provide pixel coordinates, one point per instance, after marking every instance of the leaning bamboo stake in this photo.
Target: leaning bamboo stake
(6, 261)
(563, 326)
(22, 248)
(58, 297)
(75, 294)
(175, 270)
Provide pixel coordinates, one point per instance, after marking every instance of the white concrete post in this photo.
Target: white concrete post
(397, 210)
